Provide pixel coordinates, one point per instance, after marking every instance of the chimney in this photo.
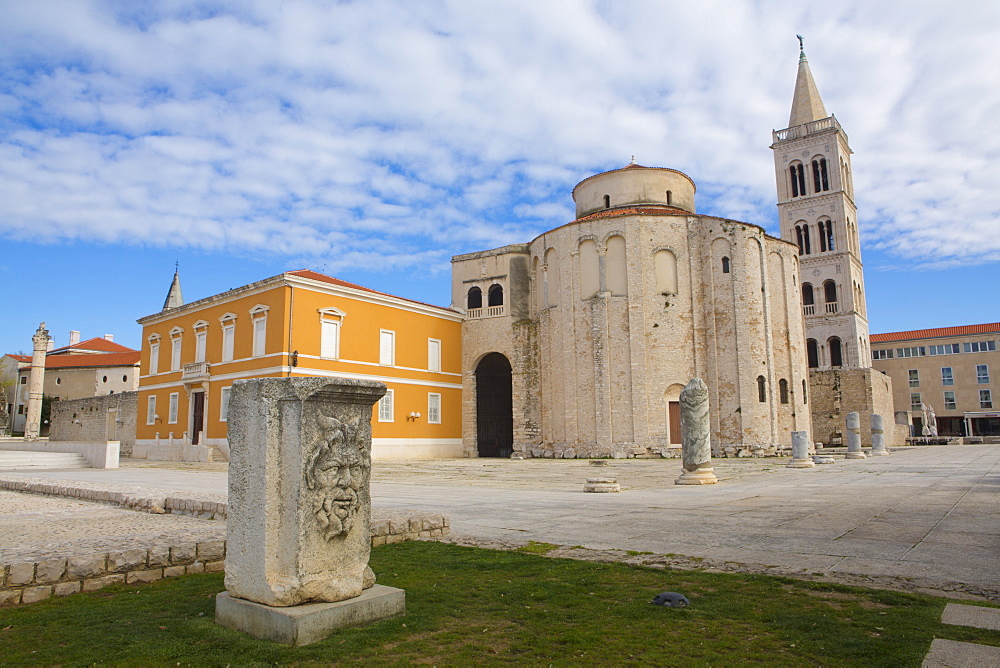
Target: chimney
(51, 344)
(109, 337)
(74, 337)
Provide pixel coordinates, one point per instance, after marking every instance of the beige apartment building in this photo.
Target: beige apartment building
(944, 379)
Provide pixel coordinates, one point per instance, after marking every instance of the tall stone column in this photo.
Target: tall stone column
(878, 436)
(299, 515)
(36, 383)
(696, 446)
(854, 450)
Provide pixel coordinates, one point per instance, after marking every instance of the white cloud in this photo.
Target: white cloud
(386, 131)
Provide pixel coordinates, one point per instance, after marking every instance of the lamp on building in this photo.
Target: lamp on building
(414, 416)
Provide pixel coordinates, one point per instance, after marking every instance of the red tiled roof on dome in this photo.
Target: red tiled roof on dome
(937, 332)
(638, 210)
(316, 276)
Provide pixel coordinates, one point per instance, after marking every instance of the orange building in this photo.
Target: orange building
(300, 323)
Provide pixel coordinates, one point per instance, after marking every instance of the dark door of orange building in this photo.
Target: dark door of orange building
(197, 416)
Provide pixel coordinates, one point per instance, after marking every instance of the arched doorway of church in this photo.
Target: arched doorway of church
(494, 407)
(672, 402)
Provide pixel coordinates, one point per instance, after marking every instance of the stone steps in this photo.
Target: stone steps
(217, 454)
(19, 459)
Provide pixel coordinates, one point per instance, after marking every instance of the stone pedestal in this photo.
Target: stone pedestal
(854, 450)
(823, 459)
(878, 436)
(696, 446)
(602, 485)
(800, 451)
(299, 515)
(308, 623)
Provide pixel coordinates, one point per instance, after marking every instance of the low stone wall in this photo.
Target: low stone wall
(99, 454)
(91, 419)
(30, 581)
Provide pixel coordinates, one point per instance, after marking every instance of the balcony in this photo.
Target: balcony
(488, 312)
(813, 127)
(831, 307)
(195, 372)
(809, 310)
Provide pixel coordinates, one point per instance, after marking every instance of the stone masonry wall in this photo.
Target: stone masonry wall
(90, 420)
(835, 393)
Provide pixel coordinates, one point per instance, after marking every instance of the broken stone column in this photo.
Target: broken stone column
(878, 436)
(36, 383)
(696, 445)
(854, 450)
(299, 515)
(800, 451)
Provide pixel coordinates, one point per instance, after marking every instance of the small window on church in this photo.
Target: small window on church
(812, 354)
(725, 264)
(607, 201)
(783, 391)
(807, 294)
(761, 389)
(670, 198)
(836, 357)
(804, 400)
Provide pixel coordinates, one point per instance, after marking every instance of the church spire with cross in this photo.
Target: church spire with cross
(174, 297)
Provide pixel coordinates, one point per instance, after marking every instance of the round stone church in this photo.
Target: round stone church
(578, 343)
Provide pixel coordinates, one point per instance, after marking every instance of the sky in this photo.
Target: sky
(373, 140)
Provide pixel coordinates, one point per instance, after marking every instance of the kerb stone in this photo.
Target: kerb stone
(304, 624)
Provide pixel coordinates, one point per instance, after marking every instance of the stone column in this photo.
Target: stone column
(36, 383)
(299, 515)
(854, 450)
(696, 445)
(800, 451)
(878, 436)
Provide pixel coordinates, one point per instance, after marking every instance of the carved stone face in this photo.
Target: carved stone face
(336, 471)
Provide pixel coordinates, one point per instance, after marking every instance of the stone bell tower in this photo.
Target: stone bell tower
(812, 163)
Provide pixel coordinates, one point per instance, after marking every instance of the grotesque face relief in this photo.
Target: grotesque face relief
(336, 470)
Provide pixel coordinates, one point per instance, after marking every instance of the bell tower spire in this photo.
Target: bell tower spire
(174, 297)
(806, 103)
(812, 163)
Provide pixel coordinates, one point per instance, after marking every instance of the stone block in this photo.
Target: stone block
(21, 574)
(305, 624)
(299, 522)
(196, 567)
(49, 570)
(380, 528)
(151, 575)
(10, 596)
(183, 554)
(34, 594)
(66, 588)
(158, 555)
(86, 567)
(211, 550)
(215, 566)
(93, 584)
(378, 540)
(126, 561)
(173, 571)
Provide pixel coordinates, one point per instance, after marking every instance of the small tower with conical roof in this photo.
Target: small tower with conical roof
(812, 162)
(174, 297)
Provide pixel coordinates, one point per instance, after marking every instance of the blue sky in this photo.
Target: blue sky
(374, 140)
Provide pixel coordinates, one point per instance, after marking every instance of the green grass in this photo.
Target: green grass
(472, 606)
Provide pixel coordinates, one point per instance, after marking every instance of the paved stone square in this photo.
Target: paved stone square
(924, 518)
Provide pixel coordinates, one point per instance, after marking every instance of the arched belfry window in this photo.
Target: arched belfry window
(495, 295)
(798, 174)
(802, 238)
(807, 294)
(836, 352)
(821, 179)
(830, 288)
(812, 353)
(761, 389)
(475, 298)
(607, 201)
(725, 264)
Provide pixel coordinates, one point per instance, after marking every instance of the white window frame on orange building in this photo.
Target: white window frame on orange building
(258, 319)
(228, 322)
(176, 347)
(330, 321)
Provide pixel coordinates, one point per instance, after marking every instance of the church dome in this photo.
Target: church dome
(634, 185)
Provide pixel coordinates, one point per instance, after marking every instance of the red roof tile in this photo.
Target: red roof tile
(639, 210)
(91, 361)
(96, 343)
(935, 333)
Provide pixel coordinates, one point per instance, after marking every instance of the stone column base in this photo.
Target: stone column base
(703, 476)
(311, 622)
(878, 453)
(801, 464)
(855, 455)
(602, 485)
